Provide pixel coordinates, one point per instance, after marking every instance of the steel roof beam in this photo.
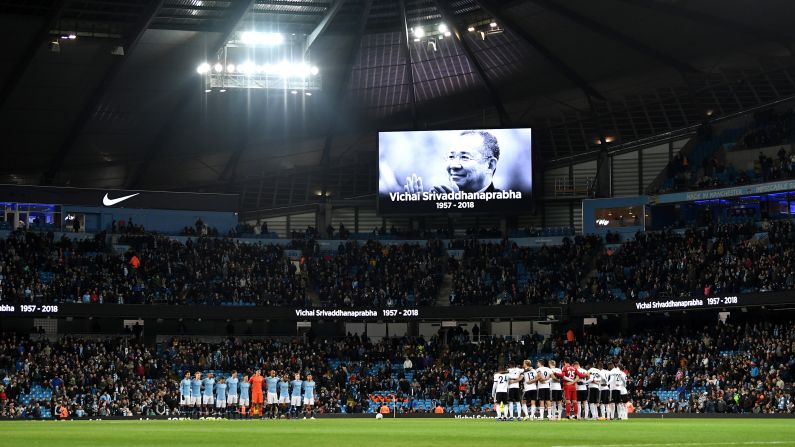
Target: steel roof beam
(500, 16)
(340, 92)
(617, 36)
(98, 93)
(449, 18)
(701, 18)
(331, 12)
(409, 69)
(236, 15)
(42, 36)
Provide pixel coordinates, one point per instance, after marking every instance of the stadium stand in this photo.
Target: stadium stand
(719, 368)
(728, 258)
(710, 163)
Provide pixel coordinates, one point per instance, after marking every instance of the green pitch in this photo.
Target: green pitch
(401, 432)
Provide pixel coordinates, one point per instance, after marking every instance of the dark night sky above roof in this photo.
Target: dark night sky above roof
(89, 118)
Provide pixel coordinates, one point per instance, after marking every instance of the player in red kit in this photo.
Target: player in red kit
(570, 374)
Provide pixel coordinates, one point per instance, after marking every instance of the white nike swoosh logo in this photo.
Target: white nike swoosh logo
(110, 202)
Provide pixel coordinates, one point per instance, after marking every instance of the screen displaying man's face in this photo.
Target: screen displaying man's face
(468, 166)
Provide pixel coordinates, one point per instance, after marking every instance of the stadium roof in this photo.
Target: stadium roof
(574, 70)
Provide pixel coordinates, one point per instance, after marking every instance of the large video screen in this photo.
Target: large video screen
(450, 171)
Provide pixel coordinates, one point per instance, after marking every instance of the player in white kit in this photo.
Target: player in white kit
(619, 395)
(556, 392)
(544, 378)
(594, 382)
(499, 392)
(515, 392)
(530, 388)
(582, 391)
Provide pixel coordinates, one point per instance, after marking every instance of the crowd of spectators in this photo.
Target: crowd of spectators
(372, 273)
(108, 377)
(155, 269)
(504, 273)
(770, 128)
(719, 259)
(744, 367)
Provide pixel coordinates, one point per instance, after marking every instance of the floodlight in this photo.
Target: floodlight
(256, 38)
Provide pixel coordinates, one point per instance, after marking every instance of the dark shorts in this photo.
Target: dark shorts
(501, 398)
(593, 395)
(615, 396)
(530, 395)
(514, 394)
(543, 394)
(557, 395)
(624, 398)
(582, 395)
(604, 396)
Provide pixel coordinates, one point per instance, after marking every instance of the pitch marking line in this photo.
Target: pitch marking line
(673, 444)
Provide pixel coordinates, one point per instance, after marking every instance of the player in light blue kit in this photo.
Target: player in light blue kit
(271, 383)
(220, 397)
(309, 396)
(284, 394)
(295, 395)
(231, 391)
(196, 392)
(184, 393)
(208, 395)
(244, 400)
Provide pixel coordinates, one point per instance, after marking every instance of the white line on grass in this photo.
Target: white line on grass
(672, 444)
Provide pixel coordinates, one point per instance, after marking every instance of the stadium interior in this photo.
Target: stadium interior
(209, 186)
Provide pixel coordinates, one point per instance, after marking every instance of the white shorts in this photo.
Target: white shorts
(184, 400)
(284, 399)
(272, 398)
(295, 401)
(244, 401)
(220, 403)
(195, 401)
(309, 401)
(208, 400)
(231, 399)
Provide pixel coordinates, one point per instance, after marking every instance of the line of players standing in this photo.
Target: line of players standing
(590, 393)
(232, 397)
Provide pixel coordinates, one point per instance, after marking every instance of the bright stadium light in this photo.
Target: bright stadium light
(294, 92)
(493, 24)
(247, 68)
(218, 68)
(471, 29)
(442, 28)
(203, 68)
(256, 38)
(419, 33)
(230, 68)
(308, 93)
(447, 34)
(314, 70)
